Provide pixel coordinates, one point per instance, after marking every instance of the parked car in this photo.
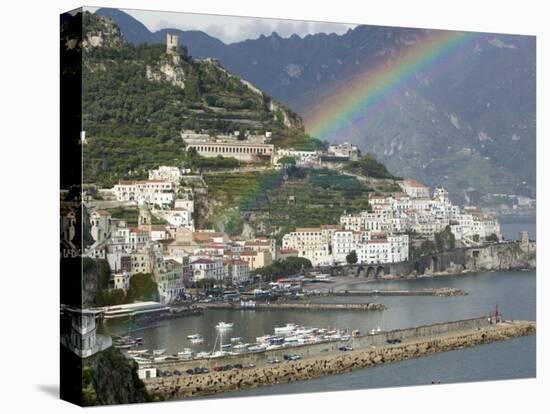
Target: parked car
(177, 372)
(272, 361)
(346, 348)
(190, 371)
(238, 366)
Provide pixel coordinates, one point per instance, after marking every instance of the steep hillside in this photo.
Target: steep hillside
(137, 100)
(471, 120)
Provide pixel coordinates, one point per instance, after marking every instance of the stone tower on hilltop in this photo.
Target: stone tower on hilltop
(171, 43)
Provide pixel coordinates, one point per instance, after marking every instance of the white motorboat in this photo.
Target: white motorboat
(187, 353)
(240, 347)
(218, 354)
(236, 339)
(284, 330)
(257, 348)
(141, 360)
(158, 352)
(138, 351)
(203, 355)
(194, 336)
(224, 325)
(273, 347)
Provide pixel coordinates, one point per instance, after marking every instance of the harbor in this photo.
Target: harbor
(314, 362)
(513, 291)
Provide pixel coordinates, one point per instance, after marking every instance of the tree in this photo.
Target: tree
(281, 268)
(492, 238)
(287, 160)
(142, 288)
(351, 258)
(444, 239)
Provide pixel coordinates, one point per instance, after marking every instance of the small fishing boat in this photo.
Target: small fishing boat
(158, 352)
(194, 336)
(236, 339)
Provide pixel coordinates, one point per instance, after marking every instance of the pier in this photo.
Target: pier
(447, 292)
(297, 306)
(326, 359)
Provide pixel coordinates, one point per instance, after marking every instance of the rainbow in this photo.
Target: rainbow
(368, 91)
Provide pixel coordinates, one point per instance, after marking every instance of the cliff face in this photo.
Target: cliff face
(505, 256)
(502, 256)
(115, 381)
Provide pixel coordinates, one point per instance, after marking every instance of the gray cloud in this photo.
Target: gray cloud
(231, 29)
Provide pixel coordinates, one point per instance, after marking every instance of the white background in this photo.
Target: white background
(29, 193)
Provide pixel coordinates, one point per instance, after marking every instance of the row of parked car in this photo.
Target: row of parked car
(393, 341)
(177, 373)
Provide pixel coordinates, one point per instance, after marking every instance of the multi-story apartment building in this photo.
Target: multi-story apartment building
(237, 270)
(145, 191)
(415, 189)
(207, 268)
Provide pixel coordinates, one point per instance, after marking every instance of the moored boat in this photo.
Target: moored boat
(287, 329)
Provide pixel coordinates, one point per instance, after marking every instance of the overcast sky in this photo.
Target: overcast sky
(231, 29)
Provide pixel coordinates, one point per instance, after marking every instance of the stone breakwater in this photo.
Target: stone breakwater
(301, 306)
(335, 363)
(446, 292)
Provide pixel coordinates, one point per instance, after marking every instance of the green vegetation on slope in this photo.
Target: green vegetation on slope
(368, 166)
(131, 215)
(133, 113)
(277, 202)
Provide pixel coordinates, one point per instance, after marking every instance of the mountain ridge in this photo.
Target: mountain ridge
(483, 105)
